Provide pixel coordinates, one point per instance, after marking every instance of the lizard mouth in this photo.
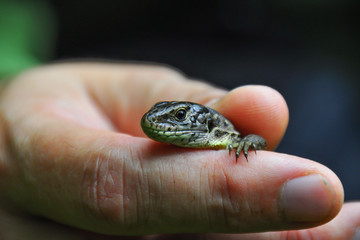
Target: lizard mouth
(170, 132)
(172, 136)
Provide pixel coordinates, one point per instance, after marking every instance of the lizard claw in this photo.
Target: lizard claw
(252, 141)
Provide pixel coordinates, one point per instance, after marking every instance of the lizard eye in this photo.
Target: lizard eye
(180, 114)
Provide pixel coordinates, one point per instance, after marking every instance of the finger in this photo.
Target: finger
(272, 192)
(256, 110)
(117, 184)
(124, 92)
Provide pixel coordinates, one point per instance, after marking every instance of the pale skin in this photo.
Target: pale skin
(75, 162)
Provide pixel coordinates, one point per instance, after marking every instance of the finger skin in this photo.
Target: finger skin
(69, 162)
(256, 110)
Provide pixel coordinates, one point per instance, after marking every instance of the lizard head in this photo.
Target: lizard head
(176, 122)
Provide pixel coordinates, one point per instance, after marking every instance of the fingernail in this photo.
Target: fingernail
(356, 235)
(307, 199)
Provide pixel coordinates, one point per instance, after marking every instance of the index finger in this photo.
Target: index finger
(125, 97)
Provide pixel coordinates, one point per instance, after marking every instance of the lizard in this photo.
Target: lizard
(193, 125)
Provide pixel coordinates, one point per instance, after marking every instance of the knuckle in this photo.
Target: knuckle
(222, 207)
(105, 191)
(230, 203)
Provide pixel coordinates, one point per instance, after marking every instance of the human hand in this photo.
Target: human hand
(72, 151)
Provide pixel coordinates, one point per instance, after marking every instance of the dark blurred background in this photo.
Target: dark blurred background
(307, 50)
